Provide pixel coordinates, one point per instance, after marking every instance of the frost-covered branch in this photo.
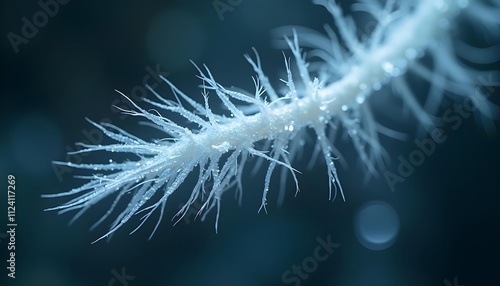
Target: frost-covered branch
(329, 93)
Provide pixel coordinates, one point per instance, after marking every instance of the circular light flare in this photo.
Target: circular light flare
(376, 225)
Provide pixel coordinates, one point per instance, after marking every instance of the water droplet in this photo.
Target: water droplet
(441, 6)
(322, 107)
(400, 66)
(377, 86)
(345, 107)
(411, 54)
(388, 67)
(360, 99)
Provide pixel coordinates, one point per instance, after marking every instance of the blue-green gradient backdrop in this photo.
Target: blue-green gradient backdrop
(448, 207)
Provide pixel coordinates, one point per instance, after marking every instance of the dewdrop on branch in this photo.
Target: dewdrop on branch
(325, 91)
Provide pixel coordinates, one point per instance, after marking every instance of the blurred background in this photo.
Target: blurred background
(444, 219)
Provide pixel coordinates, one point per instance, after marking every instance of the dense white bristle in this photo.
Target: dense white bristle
(323, 92)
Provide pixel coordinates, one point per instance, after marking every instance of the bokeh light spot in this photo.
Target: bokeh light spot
(376, 225)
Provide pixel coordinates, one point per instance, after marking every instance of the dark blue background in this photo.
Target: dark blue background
(68, 71)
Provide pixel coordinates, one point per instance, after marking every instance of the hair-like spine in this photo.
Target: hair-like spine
(331, 92)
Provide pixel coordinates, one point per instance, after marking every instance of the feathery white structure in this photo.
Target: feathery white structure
(332, 91)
